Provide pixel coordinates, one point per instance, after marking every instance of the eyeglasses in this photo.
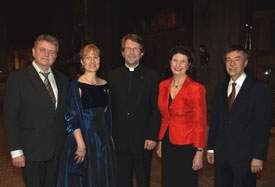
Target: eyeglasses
(135, 49)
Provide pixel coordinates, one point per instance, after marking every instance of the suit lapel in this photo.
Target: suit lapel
(248, 82)
(224, 96)
(36, 81)
(166, 94)
(182, 91)
(60, 89)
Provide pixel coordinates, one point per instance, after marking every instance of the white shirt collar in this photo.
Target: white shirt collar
(38, 69)
(239, 81)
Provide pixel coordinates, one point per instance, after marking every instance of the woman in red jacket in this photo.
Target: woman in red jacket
(182, 134)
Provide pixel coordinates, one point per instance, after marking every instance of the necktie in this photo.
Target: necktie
(48, 86)
(232, 95)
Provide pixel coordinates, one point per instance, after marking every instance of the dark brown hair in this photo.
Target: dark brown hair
(134, 37)
(184, 51)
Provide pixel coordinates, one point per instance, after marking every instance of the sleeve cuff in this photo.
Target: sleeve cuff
(210, 151)
(16, 153)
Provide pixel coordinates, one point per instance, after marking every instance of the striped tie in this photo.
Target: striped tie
(48, 86)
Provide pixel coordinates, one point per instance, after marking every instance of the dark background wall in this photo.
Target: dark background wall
(216, 24)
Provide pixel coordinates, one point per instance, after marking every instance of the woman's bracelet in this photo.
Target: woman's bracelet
(200, 150)
(81, 150)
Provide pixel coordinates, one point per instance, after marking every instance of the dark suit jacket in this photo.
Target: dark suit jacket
(135, 115)
(243, 132)
(31, 121)
(186, 116)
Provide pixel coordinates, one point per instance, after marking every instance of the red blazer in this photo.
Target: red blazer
(186, 116)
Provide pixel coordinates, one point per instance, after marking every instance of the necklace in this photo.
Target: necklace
(178, 85)
(90, 82)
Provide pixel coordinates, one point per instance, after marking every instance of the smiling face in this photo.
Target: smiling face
(44, 54)
(132, 53)
(179, 64)
(235, 63)
(91, 61)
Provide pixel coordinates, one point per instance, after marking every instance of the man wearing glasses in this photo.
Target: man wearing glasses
(136, 118)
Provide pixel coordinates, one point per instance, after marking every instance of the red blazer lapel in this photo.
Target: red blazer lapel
(164, 92)
(179, 96)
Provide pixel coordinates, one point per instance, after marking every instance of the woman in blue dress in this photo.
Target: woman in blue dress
(88, 156)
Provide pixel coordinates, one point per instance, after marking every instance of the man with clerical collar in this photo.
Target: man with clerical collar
(136, 118)
(34, 109)
(240, 125)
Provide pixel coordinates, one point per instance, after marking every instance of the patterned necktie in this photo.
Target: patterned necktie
(232, 95)
(48, 86)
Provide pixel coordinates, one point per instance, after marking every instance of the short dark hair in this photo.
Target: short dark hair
(48, 38)
(185, 51)
(236, 47)
(134, 37)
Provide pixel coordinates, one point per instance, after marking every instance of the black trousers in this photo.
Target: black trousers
(226, 174)
(129, 162)
(177, 161)
(40, 173)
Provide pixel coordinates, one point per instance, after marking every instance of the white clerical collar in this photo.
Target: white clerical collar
(131, 68)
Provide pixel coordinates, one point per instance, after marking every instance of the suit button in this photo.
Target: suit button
(229, 122)
(128, 114)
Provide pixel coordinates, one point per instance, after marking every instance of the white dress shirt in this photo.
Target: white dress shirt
(239, 83)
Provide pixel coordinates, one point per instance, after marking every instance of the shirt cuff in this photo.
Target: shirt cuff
(210, 151)
(16, 153)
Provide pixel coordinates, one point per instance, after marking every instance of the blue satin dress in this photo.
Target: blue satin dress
(88, 113)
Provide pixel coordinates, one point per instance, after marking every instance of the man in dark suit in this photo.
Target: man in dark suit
(239, 132)
(136, 118)
(34, 107)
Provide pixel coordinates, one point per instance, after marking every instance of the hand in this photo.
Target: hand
(159, 149)
(210, 158)
(19, 161)
(149, 144)
(197, 161)
(81, 147)
(256, 165)
(80, 154)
